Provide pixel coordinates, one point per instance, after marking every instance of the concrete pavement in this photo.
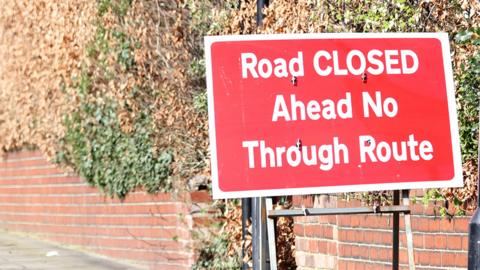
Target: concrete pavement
(26, 253)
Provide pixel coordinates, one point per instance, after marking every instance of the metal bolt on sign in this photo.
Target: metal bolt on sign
(294, 81)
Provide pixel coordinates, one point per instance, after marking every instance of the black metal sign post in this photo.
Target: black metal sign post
(246, 215)
(258, 212)
(396, 232)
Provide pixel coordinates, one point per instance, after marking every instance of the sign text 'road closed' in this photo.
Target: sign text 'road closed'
(324, 113)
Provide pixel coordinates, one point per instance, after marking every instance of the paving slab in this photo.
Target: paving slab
(19, 252)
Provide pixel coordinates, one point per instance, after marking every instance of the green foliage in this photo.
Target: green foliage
(114, 156)
(431, 195)
(468, 95)
(106, 156)
(373, 16)
(119, 7)
(214, 256)
(200, 102)
(124, 51)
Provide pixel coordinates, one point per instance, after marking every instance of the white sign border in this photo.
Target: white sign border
(456, 181)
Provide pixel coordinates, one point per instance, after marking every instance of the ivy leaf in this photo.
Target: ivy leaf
(463, 36)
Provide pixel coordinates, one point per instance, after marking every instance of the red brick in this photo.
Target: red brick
(307, 201)
(342, 235)
(420, 224)
(159, 232)
(402, 223)
(461, 260)
(359, 266)
(369, 237)
(357, 251)
(446, 225)
(351, 235)
(332, 219)
(313, 230)
(300, 244)
(344, 221)
(386, 238)
(322, 247)
(323, 220)
(465, 243)
(342, 264)
(298, 229)
(435, 259)
(403, 239)
(342, 204)
(355, 221)
(309, 260)
(23, 154)
(297, 201)
(430, 240)
(380, 254)
(417, 193)
(204, 221)
(454, 242)
(345, 250)
(313, 246)
(461, 225)
(327, 232)
(448, 259)
(418, 241)
(434, 225)
(200, 196)
(417, 209)
(31, 172)
(96, 209)
(440, 241)
(423, 257)
(432, 208)
(332, 248)
(379, 222)
(355, 203)
(19, 163)
(146, 220)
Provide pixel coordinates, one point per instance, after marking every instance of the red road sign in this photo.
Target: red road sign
(324, 113)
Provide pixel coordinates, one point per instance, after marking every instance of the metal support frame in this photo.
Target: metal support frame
(338, 211)
(260, 248)
(408, 230)
(396, 232)
(272, 245)
(246, 215)
(260, 5)
(395, 209)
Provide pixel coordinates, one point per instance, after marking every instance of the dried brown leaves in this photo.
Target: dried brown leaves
(168, 47)
(41, 46)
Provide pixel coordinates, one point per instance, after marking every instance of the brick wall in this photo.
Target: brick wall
(364, 241)
(152, 230)
(156, 231)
